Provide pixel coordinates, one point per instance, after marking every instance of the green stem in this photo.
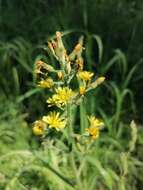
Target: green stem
(75, 170)
(72, 156)
(83, 117)
(69, 117)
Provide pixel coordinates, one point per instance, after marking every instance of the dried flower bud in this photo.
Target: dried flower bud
(77, 48)
(58, 34)
(42, 65)
(68, 67)
(51, 47)
(76, 54)
(80, 63)
(60, 50)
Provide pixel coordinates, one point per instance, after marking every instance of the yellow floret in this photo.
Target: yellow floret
(54, 120)
(62, 96)
(47, 83)
(82, 90)
(93, 132)
(95, 122)
(95, 125)
(85, 75)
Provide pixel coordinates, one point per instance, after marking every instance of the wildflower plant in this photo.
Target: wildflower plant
(70, 68)
(70, 155)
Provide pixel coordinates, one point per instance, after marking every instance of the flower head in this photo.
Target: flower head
(53, 101)
(54, 120)
(60, 75)
(62, 96)
(38, 128)
(95, 125)
(65, 94)
(47, 83)
(93, 132)
(95, 122)
(85, 75)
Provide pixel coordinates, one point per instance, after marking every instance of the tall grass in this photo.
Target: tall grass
(117, 22)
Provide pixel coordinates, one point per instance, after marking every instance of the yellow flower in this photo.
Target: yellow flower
(95, 122)
(93, 132)
(54, 120)
(62, 96)
(65, 94)
(85, 75)
(82, 90)
(53, 101)
(95, 125)
(47, 83)
(38, 128)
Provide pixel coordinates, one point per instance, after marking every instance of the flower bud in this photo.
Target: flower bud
(82, 90)
(60, 74)
(97, 82)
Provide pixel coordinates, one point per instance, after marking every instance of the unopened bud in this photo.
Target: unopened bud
(82, 90)
(97, 82)
(100, 80)
(60, 74)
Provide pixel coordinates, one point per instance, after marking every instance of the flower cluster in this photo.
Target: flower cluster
(95, 126)
(60, 83)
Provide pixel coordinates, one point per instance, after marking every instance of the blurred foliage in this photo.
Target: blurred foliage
(49, 167)
(117, 22)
